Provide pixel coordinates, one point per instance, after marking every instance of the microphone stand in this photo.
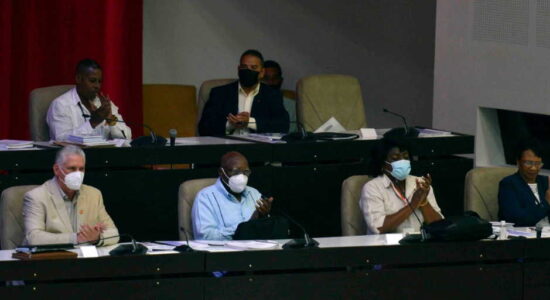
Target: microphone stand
(306, 242)
(134, 248)
(423, 234)
(405, 131)
(184, 248)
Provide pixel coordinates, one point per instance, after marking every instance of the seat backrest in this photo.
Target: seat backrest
(204, 92)
(321, 97)
(39, 102)
(290, 94)
(12, 228)
(186, 197)
(481, 190)
(170, 106)
(353, 222)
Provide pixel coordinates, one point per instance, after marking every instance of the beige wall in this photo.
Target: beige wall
(490, 53)
(388, 45)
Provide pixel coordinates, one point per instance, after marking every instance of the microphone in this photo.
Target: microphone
(184, 248)
(423, 233)
(538, 229)
(300, 135)
(173, 133)
(406, 131)
(134, 248)
(152, 140)
(301, 243)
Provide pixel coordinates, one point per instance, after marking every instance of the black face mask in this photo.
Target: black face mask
(248, 78)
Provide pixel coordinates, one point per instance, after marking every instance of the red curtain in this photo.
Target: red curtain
(41, 42)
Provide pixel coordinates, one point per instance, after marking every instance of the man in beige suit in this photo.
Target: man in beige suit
(62, 210)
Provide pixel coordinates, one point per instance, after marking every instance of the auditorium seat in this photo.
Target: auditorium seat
(321, 97)
(170, 106)
(12, 228)
(352, 220)
(39, 102)
(290, 94)
(481, 190)
(186, 197)
(204, 93)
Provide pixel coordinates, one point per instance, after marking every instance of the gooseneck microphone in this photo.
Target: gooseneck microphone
(299, 135)
(173, 133)
(184, 248)
(306, 242)
(423, 233)
(405, 131)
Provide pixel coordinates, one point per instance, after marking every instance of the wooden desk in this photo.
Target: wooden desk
(359, 267)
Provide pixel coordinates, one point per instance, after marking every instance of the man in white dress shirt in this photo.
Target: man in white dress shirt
(84, 110)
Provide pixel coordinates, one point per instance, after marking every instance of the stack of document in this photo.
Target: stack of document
(90, 141)
(15, 144)
(85, 139)
(270, 138)
(425, 132)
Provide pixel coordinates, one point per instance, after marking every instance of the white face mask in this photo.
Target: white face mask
(73, 180)
(237, 183)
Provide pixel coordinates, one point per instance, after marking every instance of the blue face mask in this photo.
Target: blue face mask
(400, 169)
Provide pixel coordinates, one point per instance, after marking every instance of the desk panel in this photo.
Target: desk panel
(101, 268)
(174, 288)
(536, 280)
(318, 285)
(430, 271)
(494, 281)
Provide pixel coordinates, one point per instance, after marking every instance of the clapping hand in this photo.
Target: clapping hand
(239, 120)
(88, 233)
(100, 227)
(422, 190)
(103, 112)
(263, 207)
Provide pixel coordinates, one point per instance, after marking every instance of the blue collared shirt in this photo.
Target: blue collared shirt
(216, 213)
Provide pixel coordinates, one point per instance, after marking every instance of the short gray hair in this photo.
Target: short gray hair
(62, 154)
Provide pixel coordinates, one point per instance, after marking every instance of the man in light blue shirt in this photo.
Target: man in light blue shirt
(218, 209)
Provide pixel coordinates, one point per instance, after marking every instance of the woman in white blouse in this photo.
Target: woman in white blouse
(388, 201)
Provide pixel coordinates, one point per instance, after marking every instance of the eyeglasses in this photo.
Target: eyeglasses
(530, 163)
(245, 172)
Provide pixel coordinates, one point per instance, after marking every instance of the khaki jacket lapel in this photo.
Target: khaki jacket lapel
(59, 204)
(82, 209)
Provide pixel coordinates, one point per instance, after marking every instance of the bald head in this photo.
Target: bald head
(233, 160)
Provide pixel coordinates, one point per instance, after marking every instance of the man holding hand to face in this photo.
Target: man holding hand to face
(84, 110)
(63, 210)
(218, 209)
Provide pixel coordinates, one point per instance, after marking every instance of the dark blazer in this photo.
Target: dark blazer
(516, 201)
(267, 109)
